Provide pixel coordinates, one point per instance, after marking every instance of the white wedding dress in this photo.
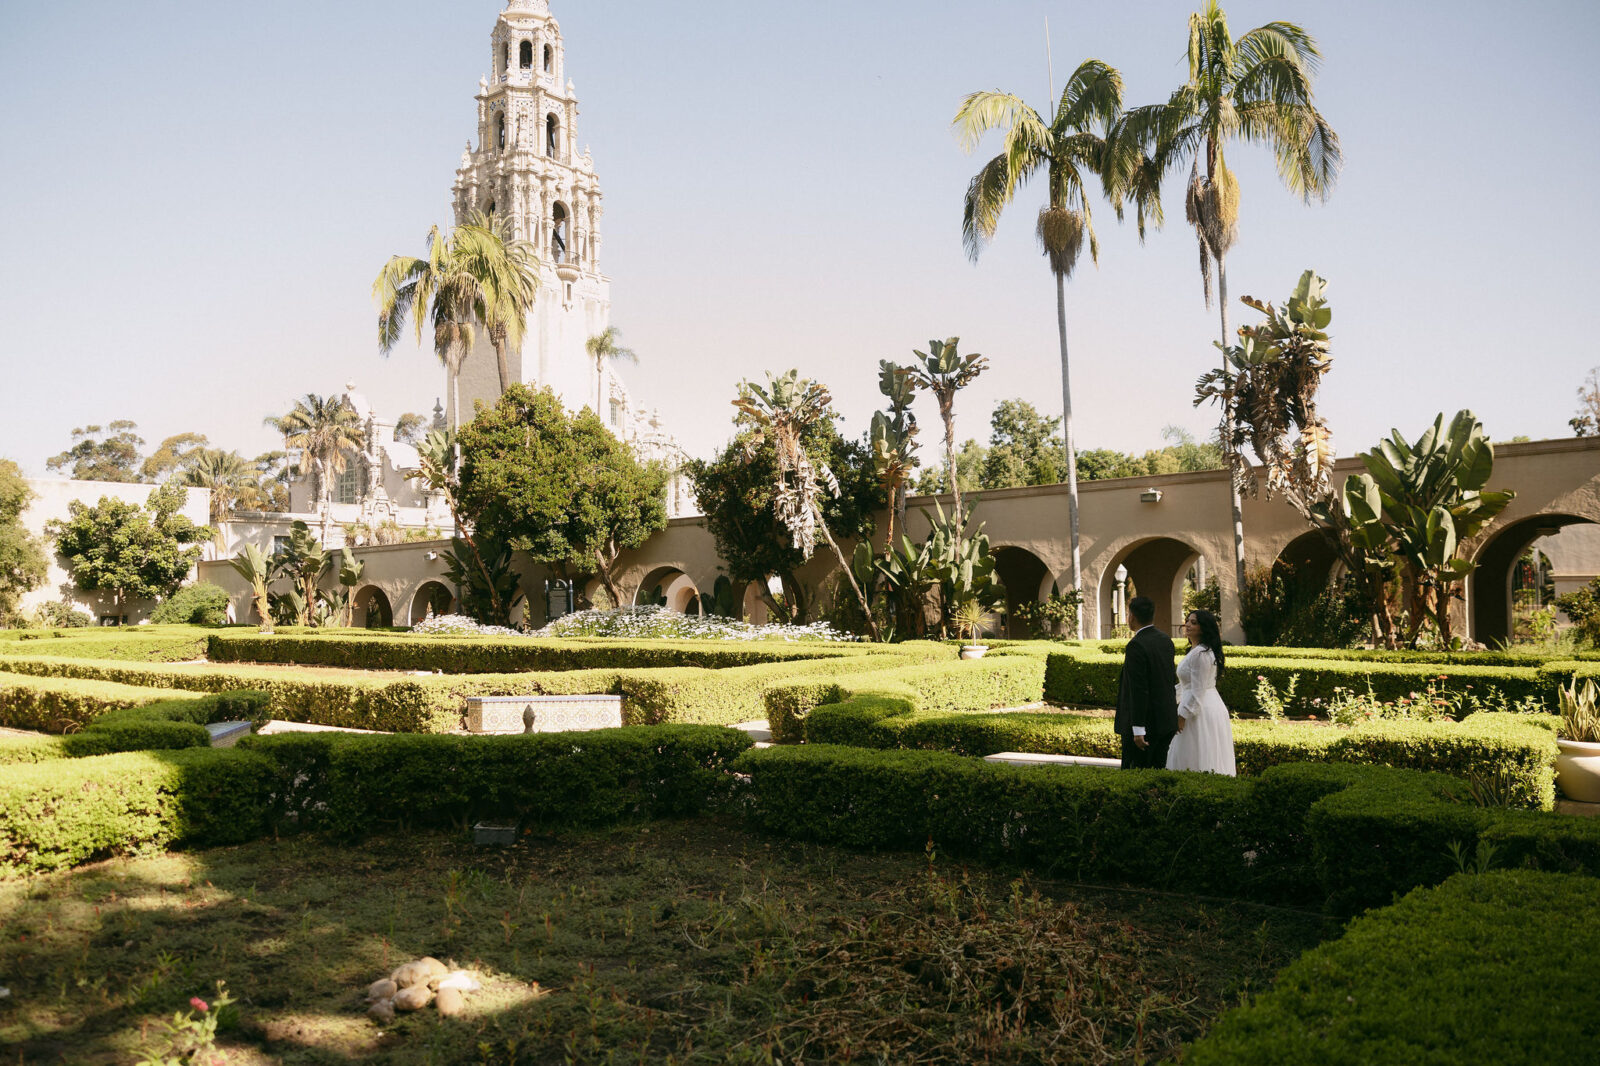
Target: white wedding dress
(1206, 740)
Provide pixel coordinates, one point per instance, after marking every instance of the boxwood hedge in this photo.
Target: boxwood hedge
(1349, 837)
(102, 717)
(1493, 967)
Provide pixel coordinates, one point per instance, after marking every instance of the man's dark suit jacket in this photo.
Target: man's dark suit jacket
(1147, 690)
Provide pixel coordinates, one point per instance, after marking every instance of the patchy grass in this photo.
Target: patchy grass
(686, 942)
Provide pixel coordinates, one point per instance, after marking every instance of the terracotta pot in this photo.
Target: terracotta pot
(1578, 770)
(973, 651)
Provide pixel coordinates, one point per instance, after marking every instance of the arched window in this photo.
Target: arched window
(500, 130)
(558, 232)
(525, 55)
(505, 58)
(549, 58)
(552, 136)
(490, 209)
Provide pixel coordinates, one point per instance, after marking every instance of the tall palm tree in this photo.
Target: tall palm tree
(326, 430)
(225, 473)
(779, 414)
(505, 271)
(1071, 152)
(436, 287)
(1257, 89)
(603, 346)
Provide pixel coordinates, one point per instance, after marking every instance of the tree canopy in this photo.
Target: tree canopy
(101, 453)
(22, 560)
(130, 551)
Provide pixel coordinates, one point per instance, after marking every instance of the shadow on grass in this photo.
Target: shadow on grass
(688, 941)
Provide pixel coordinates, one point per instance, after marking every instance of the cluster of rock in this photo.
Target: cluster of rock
(417, 984)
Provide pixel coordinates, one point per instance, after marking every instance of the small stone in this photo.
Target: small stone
(382, 1012)
(450, 1002)
(414, 998)
(412, 973)
(435, 967)
(460, 980)
(382, 989)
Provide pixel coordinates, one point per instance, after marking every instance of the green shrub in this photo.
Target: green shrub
(351, 784)
(100, 718)
(122, 643)
(1483, 968)
(59, 814)
(1349, 837)
(59, 705)
(200, 604)
(493, 655)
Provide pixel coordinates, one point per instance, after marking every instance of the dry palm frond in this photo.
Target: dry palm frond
(1212, 208)
(1060, 232)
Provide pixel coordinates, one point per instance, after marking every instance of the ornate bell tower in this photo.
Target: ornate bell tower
(526, 167)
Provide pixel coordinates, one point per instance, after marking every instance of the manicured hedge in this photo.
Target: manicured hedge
(124, 643)
(496, 655)
(1486, 968)
(996, 681)
(435, 703)
(351, 784)
(1514, 752)
(164, 722)
(1348, 837)
(62, 813)
(1090, 679)
(56, 705)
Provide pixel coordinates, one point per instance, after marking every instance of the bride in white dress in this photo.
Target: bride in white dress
(1205, 736)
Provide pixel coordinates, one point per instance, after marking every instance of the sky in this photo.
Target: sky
(197, 196)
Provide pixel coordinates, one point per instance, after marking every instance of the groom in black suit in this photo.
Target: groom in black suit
(1147, 697)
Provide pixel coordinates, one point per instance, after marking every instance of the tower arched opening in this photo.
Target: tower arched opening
(500, 131)
(552, 136)
(525, 55)
(558, 232)
(549, 59)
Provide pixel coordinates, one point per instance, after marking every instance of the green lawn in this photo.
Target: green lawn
(672, 942)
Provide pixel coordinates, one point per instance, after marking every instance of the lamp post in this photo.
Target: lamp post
(1119, 608)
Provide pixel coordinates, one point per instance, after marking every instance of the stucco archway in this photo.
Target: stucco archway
(671, 588)
(1309, 560)
(1156, 567)
(372, 609)
(431, 597)
(1026, 579)
(1489, 603)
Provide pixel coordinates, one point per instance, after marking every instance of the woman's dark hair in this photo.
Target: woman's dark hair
(1210, 633)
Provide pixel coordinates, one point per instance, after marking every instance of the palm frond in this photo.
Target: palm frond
(988, 194)
(984, 111)
(1093, 95)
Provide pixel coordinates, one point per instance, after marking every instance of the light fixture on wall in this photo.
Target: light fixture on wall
(1150, 496)
(431, 556)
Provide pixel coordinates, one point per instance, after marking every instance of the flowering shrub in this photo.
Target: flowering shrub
(190, 1038)
(1434, 703)
(459, 625)
(659, 623)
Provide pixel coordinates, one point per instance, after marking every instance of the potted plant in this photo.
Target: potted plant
(971, 618)
(1578, 765)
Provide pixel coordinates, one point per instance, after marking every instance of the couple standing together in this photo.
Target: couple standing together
(1172, 717)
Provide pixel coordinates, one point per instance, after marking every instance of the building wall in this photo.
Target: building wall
(52, 500)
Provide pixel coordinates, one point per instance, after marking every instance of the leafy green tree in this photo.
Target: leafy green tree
(1071, 151)
(1022, 447)
(130, 551)
(1583, 607)
(1586, 423)
(602, 347)
(410, 428)
(736, 490)
(101, 453)
(560, 487)
(327, 431)
(1257, 89)
(172, 456)
(440, 455)
(200, 604)
(970, 460)
(23, 563)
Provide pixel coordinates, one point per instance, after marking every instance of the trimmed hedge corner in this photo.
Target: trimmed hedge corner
(1492, 967)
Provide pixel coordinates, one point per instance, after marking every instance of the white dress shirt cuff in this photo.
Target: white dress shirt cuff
(1138, 730)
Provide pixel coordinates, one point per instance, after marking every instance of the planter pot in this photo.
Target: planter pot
(1578, 770)
(487, 835)
(973, 651)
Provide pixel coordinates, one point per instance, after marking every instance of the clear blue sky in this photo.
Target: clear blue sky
(196, 197)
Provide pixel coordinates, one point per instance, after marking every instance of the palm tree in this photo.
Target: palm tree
(1256, 89)
(326, 430)
(1071, 152)
(943, 372)
(226, 474)
(506, 273)
(603, 346)
(779, 414)
(437, 287)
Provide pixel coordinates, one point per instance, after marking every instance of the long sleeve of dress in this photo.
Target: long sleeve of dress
(1190, 683)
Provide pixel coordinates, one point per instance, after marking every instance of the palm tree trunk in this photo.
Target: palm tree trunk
(1072, 457)
(844, 564)
(497, 337)
(946, 404)
(1235, 502)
